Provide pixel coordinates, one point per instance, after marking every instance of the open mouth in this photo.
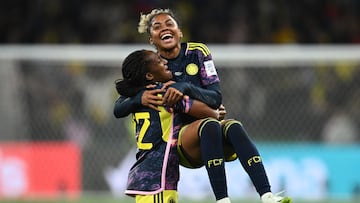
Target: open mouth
(166, 36)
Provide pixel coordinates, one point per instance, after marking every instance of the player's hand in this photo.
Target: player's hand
(222, 112)
(171, 97)
(151, 99)
(167, 84)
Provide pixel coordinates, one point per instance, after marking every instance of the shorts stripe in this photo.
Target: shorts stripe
(166, 196)
(159, 197)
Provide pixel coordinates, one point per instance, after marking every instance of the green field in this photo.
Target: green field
(109, 199)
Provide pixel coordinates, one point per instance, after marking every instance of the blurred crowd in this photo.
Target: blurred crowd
(232, 21)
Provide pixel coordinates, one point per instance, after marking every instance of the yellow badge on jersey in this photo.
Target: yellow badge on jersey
(192, 69)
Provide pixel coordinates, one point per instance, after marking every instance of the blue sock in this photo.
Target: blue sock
(213, 156)
(248, 155)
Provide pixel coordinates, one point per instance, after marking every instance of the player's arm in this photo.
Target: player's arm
(195, 108)
(201, 110)
(126, 105)
(210, 95)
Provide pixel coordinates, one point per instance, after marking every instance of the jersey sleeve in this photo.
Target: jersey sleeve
(208, 72)
(126, 105)
(184, 105)
(210, 95)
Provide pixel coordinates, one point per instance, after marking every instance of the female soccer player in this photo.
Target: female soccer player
(154, 176)
(194, 71)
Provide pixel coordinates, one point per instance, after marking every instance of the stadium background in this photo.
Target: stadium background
(66, 103)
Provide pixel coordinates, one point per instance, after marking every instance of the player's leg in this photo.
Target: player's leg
(189, 146)
(247, 153)
(170, 196)
(235, 134)
(189, 149)
(202, 140)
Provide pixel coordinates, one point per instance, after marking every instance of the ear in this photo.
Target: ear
(181, 34)
(149, 76)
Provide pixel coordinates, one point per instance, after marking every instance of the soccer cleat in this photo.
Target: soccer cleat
(271, 198)
(224, 200)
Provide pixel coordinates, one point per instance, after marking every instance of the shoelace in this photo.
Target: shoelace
(279, 193)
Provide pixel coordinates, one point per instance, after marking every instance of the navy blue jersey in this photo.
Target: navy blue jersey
(194, 65)
(157, 163)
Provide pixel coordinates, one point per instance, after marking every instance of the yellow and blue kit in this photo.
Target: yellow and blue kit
(157, 164)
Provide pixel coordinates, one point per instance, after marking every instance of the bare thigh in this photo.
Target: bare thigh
(190, 142)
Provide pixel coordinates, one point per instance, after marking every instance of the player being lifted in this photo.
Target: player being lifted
(194, 71)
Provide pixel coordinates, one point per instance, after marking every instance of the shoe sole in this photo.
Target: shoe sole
(286, 200)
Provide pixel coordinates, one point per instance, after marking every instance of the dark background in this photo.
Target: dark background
(233, 21)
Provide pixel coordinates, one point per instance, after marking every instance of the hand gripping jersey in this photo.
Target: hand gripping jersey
(157, 165)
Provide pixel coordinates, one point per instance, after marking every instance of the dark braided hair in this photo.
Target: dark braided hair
(134, 69)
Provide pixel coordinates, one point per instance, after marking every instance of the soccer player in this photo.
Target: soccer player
(154, 176)
(194, 71)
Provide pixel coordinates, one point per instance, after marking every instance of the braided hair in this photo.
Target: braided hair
(134, 69)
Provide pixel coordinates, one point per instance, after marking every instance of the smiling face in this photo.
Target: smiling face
(157, 69)
(165, 34)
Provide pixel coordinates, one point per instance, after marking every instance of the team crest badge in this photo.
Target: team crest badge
(192, 69)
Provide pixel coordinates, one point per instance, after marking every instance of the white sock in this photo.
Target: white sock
(224, 200)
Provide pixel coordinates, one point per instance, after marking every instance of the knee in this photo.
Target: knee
(209, 127)
(233, 125)
(209, 122)
(230, 123)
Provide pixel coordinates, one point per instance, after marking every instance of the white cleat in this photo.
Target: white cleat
(271, 198)
(224, 200)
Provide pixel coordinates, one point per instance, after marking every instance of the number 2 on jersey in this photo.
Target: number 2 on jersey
(145, 116)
